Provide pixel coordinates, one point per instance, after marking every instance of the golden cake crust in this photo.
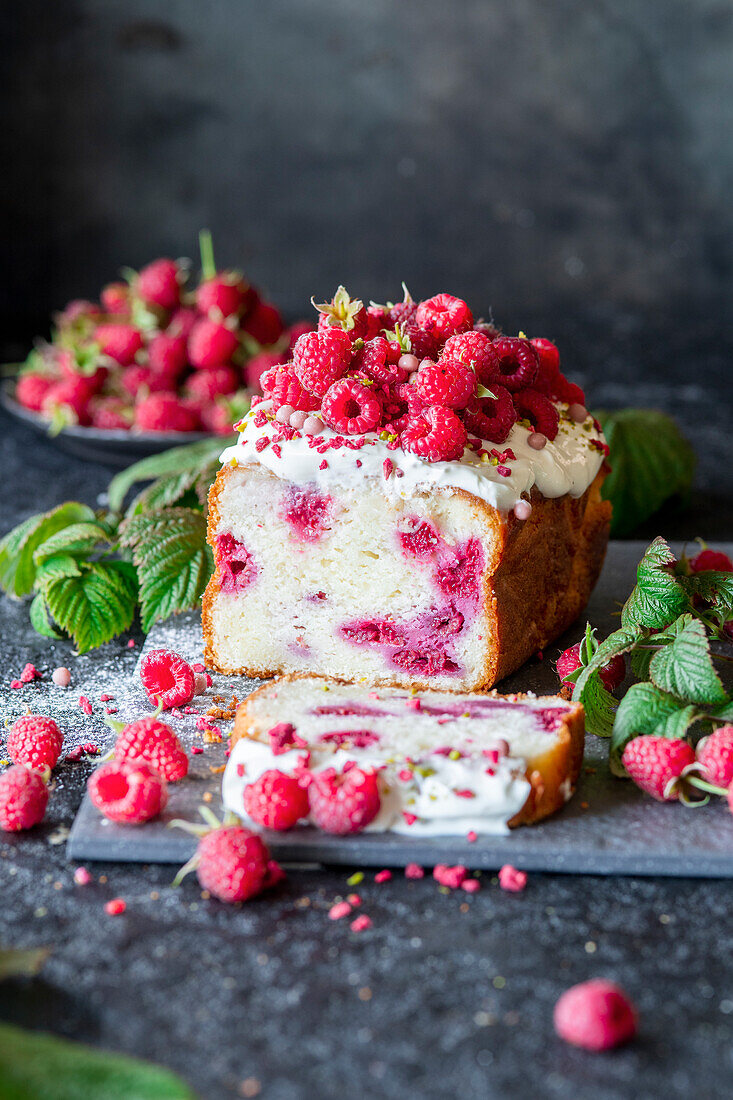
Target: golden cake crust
(539, 575)
(552, 776)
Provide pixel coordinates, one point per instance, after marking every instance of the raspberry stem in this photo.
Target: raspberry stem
(206, 248)
(703, 785)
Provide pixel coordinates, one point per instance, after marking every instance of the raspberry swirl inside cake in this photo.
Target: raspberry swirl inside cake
(405, 520)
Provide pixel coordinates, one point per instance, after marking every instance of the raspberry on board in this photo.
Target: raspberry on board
(233, 863)
(128, 791)
(264, 323)
(276, 800)
(168, 679)
(595, 1015)
(225, 292)
(121, 342)
(211, 344)
(151, 740)
(711, 559)
(23, 799)
(35, 741)
(715, 756)
(657, 764)
(165, 412)
(351, 408)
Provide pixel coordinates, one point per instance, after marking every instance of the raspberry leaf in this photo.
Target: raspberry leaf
(684, 667)
(599, 705)
(173, 560)
(193, 456)
(40, 620)
(17, 549)
(715, 589)
(78, 539)
(644, 709)
(95, 605)
(659, 596)
(651, 462)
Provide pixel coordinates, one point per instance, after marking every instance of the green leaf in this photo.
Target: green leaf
(644, 709)
(172, 489)
(35, 1066)
(22, 963)
(17, 568)
(76, 539)
(650, 461)
(60, 565)
(599, 705)
(684, 667)
(724, 713)
(621, 641)
(193, 456)
(715, 588)
(40, 620)
(173, 560)
(95, 605)
(659, 596)
(677, 724)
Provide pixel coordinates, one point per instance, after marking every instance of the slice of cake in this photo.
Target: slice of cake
(446, 764)
(414, 501)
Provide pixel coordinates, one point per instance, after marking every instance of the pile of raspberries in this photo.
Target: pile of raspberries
(157, 354)
(421, 374)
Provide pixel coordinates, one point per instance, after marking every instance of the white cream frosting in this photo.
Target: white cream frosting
(567, 464)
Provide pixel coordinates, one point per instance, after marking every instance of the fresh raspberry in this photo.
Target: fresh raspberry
(436, 435)
(296, 330)
(168, 679)
(408, 392)
(264, 323)
(321, 358)
(260, 364)
(377, 359)
(549, 358)
(182, 322)
(518, 363)
(400, 313)
(233, 863)
(165, 412)
(151, 740)
(94, 379)
(31, 389)
(78, 311)
(207, 385)
(656, 765)
(219, 417)
(275, 800)
(211, 344)
(711, 559)
(595, 1015)
(345, 313)
(491, 418)
(226, 292)
(35, 741)
(447, 382)
(23, 799)
(376, 321)
(444, 316)
(115, 298)
(158, 284)
(111, 413)
(423, 344)
(70, 397)
(715, 756)
(283, 386)
(474, 350)
(119, 341)
(344, 803)
(168, 355)
(611, 674)
(539, 410)
(134, 378)
(128, 791)
(351, 408)
(567, 392)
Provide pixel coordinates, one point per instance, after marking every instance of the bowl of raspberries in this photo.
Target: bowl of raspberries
(162, 359)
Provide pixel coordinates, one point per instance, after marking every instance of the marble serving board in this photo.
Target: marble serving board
(609, 827)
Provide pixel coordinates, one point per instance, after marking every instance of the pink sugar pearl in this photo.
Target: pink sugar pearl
(408, 362)
(522, 509)
(313, 425)
(537, 441)
(577, 412)
(200, 683)
(298, 419)
(284, 413)
(61, 677)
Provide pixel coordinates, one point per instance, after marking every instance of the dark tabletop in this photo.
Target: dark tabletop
(447, 995)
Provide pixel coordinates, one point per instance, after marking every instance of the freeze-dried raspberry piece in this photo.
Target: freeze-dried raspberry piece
(351, 408)
(539, 410)
(447, 382)
(491, 418)
(436, 435)
(518, 363)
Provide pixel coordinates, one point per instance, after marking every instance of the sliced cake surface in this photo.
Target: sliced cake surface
(447, 763)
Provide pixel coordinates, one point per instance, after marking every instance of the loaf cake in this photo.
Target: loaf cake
(415, 500)
(446, 764)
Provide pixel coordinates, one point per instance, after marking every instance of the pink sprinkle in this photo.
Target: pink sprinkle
(465, 793)
(175, 712)
(491, 771)
(111, 710)
(131, 643)
(471, 885)
(387, 467)
(190, 710)
(15, 684)
(277, 450)
(358, 462)
(399, 473)
(209, 681)
(361, 923)
(450, 876)
(471, 837)
(323, 465)
(504, 471)
(413, 704)
(410, 819)
(196, 750)
(198, 667)
(73, 755)
(82, 876)
(85, 705)
(30, 672)
(405, 775)
(492, 755)
(383, 876)
(115, 907)
(106, 698)
(414, 870)
(354, 899)
(90, 748)
(339, 910)
(512, 879)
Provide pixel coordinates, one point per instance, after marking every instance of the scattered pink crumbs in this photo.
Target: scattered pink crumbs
(511, 879)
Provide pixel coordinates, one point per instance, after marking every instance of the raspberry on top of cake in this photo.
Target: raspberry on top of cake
(415, 498)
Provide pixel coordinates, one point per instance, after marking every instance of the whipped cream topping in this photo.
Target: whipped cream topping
(568, 464)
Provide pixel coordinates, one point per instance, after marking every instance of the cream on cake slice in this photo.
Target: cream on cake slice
(447, 763)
